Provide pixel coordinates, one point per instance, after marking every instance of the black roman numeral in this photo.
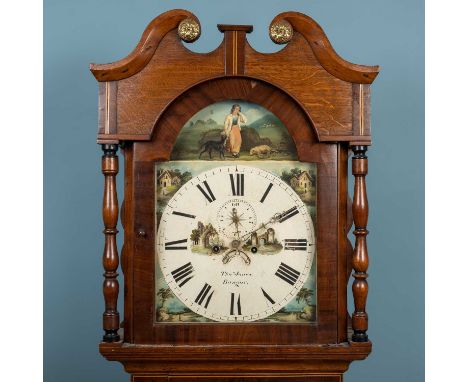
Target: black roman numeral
(266, 192)
(183, 214)
(267, 296)
(238, 187)
(288, 274)
(235, 307)
(202, 295)
(172, 245)
(183, 274)
(295, 244)
(288, 214)
(208, 194)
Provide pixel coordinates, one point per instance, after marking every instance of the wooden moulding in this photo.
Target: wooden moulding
(234, 47)
(324, 51)
(235, 359)
(144, 51)
(281, 104)
(161, 25)
(136, 89)
(237, 377)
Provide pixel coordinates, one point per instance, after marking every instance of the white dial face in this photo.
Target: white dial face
(235, 243)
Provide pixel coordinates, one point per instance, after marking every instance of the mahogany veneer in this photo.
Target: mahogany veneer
(324, 101)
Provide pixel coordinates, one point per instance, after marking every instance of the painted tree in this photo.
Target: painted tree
(305, 294)
(296, 171)
(165, 294)
(195, 236)
(186, 176)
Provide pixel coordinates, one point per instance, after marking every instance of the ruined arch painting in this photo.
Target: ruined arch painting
(232, 130)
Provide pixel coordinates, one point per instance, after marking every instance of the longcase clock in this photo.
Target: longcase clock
(235, 212)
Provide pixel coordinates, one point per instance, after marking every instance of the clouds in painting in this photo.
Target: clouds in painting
(219, 110)
(263, 128)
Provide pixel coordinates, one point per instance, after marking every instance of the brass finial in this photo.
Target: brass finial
(281, 32)
(189, 30)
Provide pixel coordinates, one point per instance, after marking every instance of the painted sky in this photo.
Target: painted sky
(218, 111)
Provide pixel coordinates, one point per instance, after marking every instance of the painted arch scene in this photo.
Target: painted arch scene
(234, 129)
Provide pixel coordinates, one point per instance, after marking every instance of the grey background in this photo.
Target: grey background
(388, 33)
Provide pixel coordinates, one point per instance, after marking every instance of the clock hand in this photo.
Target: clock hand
(237, 242)
(239, 220)
(279, 217)
(235, 219)
(274, 219)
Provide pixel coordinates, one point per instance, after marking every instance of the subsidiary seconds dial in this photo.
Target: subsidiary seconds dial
(236, 243)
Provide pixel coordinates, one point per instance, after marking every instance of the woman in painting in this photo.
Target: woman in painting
(232, 129)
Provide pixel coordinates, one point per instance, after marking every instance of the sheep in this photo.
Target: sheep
(262, 151)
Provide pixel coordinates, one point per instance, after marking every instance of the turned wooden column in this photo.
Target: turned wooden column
(110, 257)
(360, 256)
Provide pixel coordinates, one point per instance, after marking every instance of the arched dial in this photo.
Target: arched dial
(236, 243)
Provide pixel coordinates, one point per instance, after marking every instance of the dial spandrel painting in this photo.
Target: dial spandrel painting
(236, 238)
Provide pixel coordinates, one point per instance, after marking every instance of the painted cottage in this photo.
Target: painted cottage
(168, 178)
(303, 181)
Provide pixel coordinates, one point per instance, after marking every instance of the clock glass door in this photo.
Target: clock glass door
(236, 222)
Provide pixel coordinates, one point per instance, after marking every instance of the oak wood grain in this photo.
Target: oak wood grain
(234, 47)
(145, 49)
(161, 68)
(324, 51)
(324, 102)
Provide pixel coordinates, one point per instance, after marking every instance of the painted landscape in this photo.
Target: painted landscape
(263, 136)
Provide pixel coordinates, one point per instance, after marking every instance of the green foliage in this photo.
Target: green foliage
(305, 295)
(209, 229)
(195, 235)
(296, 171)
(287, 175)
(251, 138)
(165, 294)
(186, 176)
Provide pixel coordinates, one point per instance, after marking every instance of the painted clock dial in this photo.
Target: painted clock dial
(256, 250)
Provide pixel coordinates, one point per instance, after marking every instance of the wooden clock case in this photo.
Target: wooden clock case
(324, 101)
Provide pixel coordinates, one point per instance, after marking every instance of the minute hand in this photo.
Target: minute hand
(278, 217)
(281, 217)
